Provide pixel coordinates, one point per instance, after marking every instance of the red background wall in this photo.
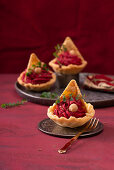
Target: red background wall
(37, 26)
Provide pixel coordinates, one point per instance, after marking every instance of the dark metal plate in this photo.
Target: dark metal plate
(49, 127)
(96, 98)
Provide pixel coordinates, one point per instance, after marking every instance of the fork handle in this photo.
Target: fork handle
(68, 144)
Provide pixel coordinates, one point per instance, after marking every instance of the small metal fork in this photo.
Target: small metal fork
(92, 124)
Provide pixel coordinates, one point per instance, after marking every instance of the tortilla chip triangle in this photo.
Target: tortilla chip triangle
(33, 60)
(69, 44)
(72, 88)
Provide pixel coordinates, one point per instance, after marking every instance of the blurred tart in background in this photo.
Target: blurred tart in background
(70, 110)
(68, 59)
(99, 82)
(37, 76)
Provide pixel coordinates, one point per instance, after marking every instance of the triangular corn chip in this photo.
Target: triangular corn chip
(69, 44)
(32, 61)
(72, 88)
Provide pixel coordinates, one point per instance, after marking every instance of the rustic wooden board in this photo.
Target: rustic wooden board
(97, 98)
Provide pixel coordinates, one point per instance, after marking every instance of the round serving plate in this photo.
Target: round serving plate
(51, 128)
(96, 98)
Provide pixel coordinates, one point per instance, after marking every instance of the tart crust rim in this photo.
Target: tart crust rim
(37, 87)
(70, 69)
(72, 122)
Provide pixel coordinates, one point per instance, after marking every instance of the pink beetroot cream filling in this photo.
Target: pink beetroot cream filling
(66, 58)
(35, 78)
(96, 79)
(62, 109)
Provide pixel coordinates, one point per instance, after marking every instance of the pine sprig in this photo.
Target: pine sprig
(9, 105)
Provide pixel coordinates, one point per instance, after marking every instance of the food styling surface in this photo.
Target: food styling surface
(96, 98)
(51, 128)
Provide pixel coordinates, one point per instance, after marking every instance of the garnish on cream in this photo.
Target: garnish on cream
(65, 57)
(69, 107)
(37, 76)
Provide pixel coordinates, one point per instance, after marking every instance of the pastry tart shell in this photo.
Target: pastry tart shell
(37, 87)
(70, 69)
(72, 122)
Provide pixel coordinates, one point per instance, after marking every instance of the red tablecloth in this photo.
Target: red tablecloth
(22, 146)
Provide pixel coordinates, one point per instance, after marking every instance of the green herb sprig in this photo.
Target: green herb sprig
(77, 97)
(80, 97)
(58, 49)
(57, 101)
(49, 95)
(9, 105)
(71, 98)
(45, 67)
(29, 72)
(64, 48)
(64, 98)
(39, 64)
